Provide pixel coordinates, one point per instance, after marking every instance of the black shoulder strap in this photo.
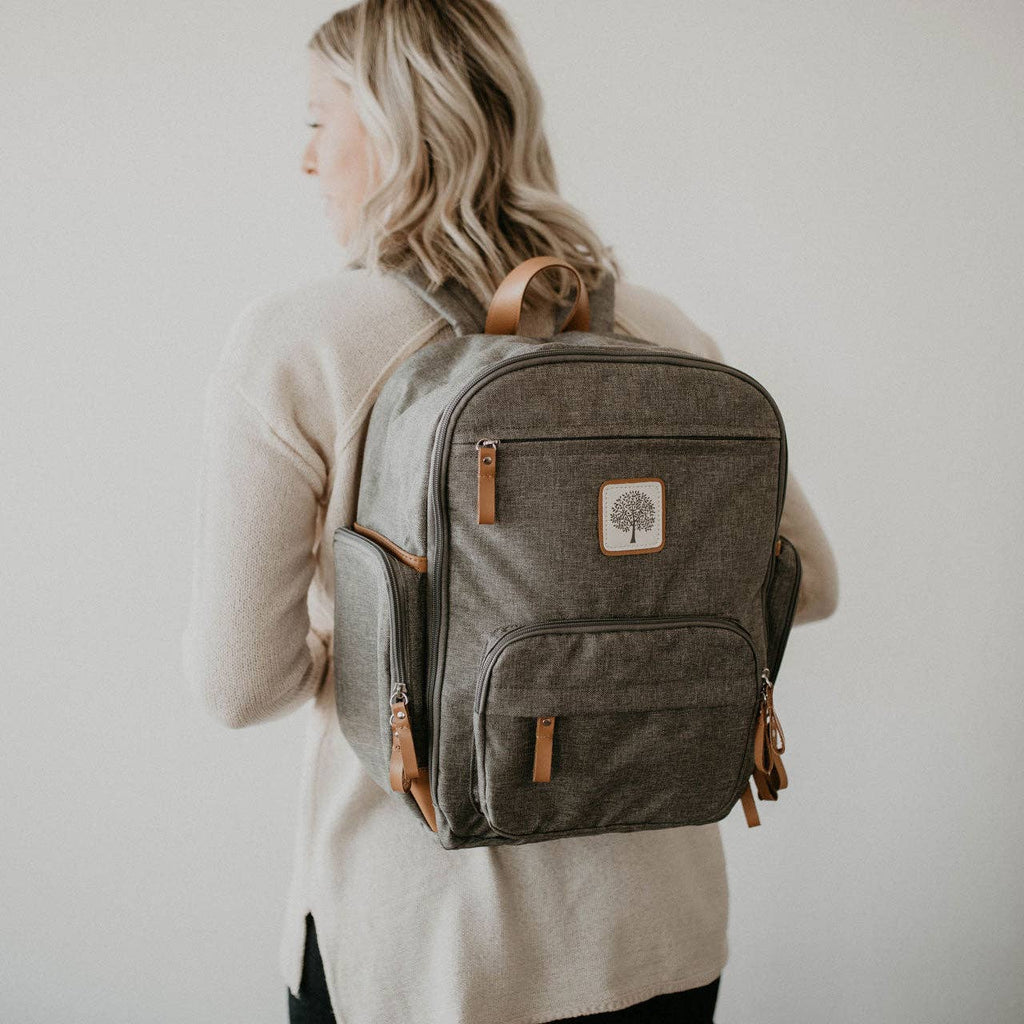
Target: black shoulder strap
(461, 308)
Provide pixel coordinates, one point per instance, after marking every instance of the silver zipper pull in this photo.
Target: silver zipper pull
(404, 763)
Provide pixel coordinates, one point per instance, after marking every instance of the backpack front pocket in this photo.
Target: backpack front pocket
(378, 648)
(590, 724)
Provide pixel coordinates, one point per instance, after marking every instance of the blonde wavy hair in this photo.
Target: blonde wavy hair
(469, 189)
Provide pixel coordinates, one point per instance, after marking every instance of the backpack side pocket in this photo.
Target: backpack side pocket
(780, 602)
(378, 649)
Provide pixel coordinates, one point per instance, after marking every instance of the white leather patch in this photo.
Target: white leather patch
(631, 516)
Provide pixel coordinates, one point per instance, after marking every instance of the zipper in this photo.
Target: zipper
(594, 626)
(625, 437)
(769, 744)
(775, 657)
(487, 459)
(400, 646)
(404, 759)
(437, 520)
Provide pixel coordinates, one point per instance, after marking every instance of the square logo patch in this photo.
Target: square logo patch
(631, 516)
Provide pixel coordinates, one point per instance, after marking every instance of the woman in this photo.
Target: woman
(426, 141)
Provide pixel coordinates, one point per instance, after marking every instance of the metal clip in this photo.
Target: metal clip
(398, 697)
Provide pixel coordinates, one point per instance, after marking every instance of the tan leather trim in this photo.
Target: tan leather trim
(749, 807)
(778, 546)
(420, 790)
(600, 514)
(507, 302)
(417, 562)
(769, 745)
(487, 465)
(404, 767)
(406, 773)
(545, 738)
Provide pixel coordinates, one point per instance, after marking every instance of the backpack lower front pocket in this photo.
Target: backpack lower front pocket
(588, 724)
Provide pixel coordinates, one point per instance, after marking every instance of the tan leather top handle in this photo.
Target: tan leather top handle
(507, 303)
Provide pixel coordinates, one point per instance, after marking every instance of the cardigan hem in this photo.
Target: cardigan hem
(630, 998)
(694, 979)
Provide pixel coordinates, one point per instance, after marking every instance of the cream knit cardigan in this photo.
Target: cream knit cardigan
(411, 933)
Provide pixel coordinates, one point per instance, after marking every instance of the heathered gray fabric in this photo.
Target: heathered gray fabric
(600, 786)
(540, 560)
(579, 409)
(363, 649)
(402, 423)
(653, 726)
(374, 650)
(781, 600)
(454, 301)
(630, 665)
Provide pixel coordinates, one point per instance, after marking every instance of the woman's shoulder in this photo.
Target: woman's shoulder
(649, 314)
(357, 313)
(349, 310)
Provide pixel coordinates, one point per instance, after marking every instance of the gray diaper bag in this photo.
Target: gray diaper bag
(564, 600)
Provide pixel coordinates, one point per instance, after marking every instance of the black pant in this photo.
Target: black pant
(694, 1006)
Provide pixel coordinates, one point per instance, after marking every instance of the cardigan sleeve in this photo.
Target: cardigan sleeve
(248, 650)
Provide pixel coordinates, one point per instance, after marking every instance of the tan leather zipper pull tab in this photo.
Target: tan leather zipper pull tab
(749, 807)
(405, 774)
(403, 751)
(420, 789)
(486, 465)
(542, 750)
(776, 742)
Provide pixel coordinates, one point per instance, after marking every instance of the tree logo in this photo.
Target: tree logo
(631, 516)
(631, 510)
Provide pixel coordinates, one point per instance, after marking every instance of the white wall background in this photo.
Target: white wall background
(832, 190)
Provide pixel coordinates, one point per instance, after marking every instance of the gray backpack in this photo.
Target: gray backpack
(564, 600)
